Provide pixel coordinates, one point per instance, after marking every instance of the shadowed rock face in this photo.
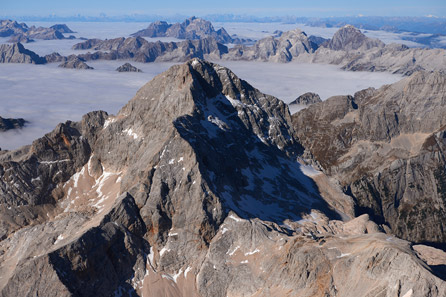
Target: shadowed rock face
(8, 124)
(192, 28)
(192, 189)
(386, 147)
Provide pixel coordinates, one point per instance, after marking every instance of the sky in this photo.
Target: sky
(314, 8)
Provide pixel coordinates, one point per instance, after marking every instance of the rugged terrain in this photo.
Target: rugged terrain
(195, 188)
(386, 148)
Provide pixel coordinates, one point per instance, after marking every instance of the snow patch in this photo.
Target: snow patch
(59, 238)
(108, 122)
(343, 255)
(187, 271)
(252, 253)
(409, 293)
(235, 218)
(244, 262)
(54, 162)
(164, 250)
(309, 171)
(130, 132)
(233, 251)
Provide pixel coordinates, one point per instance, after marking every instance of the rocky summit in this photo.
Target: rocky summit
(197, 187)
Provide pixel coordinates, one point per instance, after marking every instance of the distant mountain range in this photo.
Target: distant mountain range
(22, 33)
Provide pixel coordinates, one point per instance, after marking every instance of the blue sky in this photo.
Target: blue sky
(310, 8)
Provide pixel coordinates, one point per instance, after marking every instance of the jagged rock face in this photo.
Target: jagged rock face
(386, 147)
(142, 203)
(307, 99)
(16, 53)
(140, 50)
(127, 67)
(348, 38)
(75, 63)
(283, 49)
(8, 124)
(192, 28)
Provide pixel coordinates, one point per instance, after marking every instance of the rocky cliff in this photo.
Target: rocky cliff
(386, 147)
(16, 53)
(193, 189)
(192, 28)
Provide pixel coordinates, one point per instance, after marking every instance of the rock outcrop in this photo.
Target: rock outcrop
(386, 148)
(192, 189)
(9, 124)
(127, 67)
(16, 53)
(192, 28)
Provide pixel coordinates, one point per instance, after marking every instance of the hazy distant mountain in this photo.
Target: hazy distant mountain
(192, 28)
(19, 32)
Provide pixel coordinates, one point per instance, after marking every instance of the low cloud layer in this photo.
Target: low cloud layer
(290, 80)
(46, 95)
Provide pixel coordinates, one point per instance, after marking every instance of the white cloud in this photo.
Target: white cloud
(46, 95)
(290, 80)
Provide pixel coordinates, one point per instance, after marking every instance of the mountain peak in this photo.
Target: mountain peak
(350, 38)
